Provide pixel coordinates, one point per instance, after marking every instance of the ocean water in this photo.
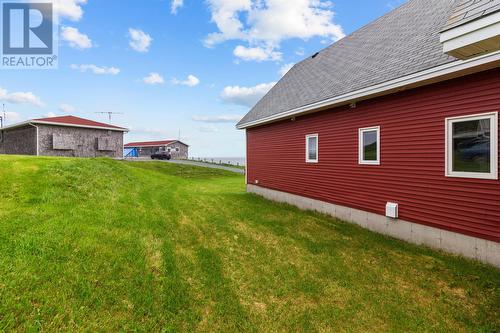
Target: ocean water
(225, 160)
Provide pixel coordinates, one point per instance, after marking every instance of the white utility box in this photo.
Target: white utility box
(391, 210)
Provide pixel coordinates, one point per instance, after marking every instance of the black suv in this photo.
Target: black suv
(161, 156)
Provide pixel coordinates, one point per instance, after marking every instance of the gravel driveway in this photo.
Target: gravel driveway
(201, 164)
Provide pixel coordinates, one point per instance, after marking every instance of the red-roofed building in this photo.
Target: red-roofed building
(68, 136)
(176, 148)
(77, 122)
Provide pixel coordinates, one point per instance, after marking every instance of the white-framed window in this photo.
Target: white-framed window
(369, 145)
(472, 146)
(312, 148)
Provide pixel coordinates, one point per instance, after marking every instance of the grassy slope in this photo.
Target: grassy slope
(106, 245)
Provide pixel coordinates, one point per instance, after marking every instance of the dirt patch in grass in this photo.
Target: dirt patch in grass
(152, 249)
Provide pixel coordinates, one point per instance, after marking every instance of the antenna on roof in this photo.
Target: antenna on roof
(110, 114)
(179, 134)
(2, 117)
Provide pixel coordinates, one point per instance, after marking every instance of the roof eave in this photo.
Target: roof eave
(128, 145)
(116, 129)
(13, 126)
(38, 122)
(433, 75)
(472, 38)
(144, 146)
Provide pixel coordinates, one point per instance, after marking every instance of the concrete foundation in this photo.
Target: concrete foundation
(466, 246)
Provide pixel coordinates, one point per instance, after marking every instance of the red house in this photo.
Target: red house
(394, 128)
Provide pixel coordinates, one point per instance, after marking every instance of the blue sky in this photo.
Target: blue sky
(170, 66)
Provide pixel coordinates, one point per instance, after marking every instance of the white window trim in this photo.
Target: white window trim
(307, 148)
(361, 146)
(493, 116)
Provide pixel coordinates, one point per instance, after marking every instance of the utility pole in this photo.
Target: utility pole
(110, 114)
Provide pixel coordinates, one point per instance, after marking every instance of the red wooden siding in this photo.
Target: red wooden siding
(412, 170)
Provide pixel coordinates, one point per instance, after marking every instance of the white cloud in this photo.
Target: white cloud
(20, 98)
(75, 38)
(176, 4)
(225, 14)
(228, 118)
(11, 117)
(285, 68)
(208, 129)
(66, 108)
(50, 115)
(256, 53)
(70, 9)
(139, 40)
(153, 78)
(154, 132)
(245, 96)
(266, 23)
(190, 81)
(280, 20)
(300, 51)
(96, 69)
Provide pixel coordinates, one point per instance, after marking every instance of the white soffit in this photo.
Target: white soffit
(473, 38)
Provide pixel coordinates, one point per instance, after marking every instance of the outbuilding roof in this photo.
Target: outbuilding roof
(70, 121)
(151, 143)
(403, 42)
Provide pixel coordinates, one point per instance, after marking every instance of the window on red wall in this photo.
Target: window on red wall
(312, 148)
(471, 146)
(369, 145)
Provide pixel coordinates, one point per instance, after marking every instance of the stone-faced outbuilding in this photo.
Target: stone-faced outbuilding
(62, 136)
(176, 148)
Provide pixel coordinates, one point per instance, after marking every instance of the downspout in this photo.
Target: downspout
(37, 140)
(246, 158)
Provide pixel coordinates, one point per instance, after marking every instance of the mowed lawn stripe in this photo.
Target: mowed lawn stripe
(103, 245)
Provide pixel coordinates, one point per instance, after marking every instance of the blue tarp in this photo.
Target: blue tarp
(130, 152)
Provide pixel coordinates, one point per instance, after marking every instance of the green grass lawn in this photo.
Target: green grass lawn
(102, 245)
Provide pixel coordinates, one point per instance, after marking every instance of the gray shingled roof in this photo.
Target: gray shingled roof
(469, 10)
(402, 42)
